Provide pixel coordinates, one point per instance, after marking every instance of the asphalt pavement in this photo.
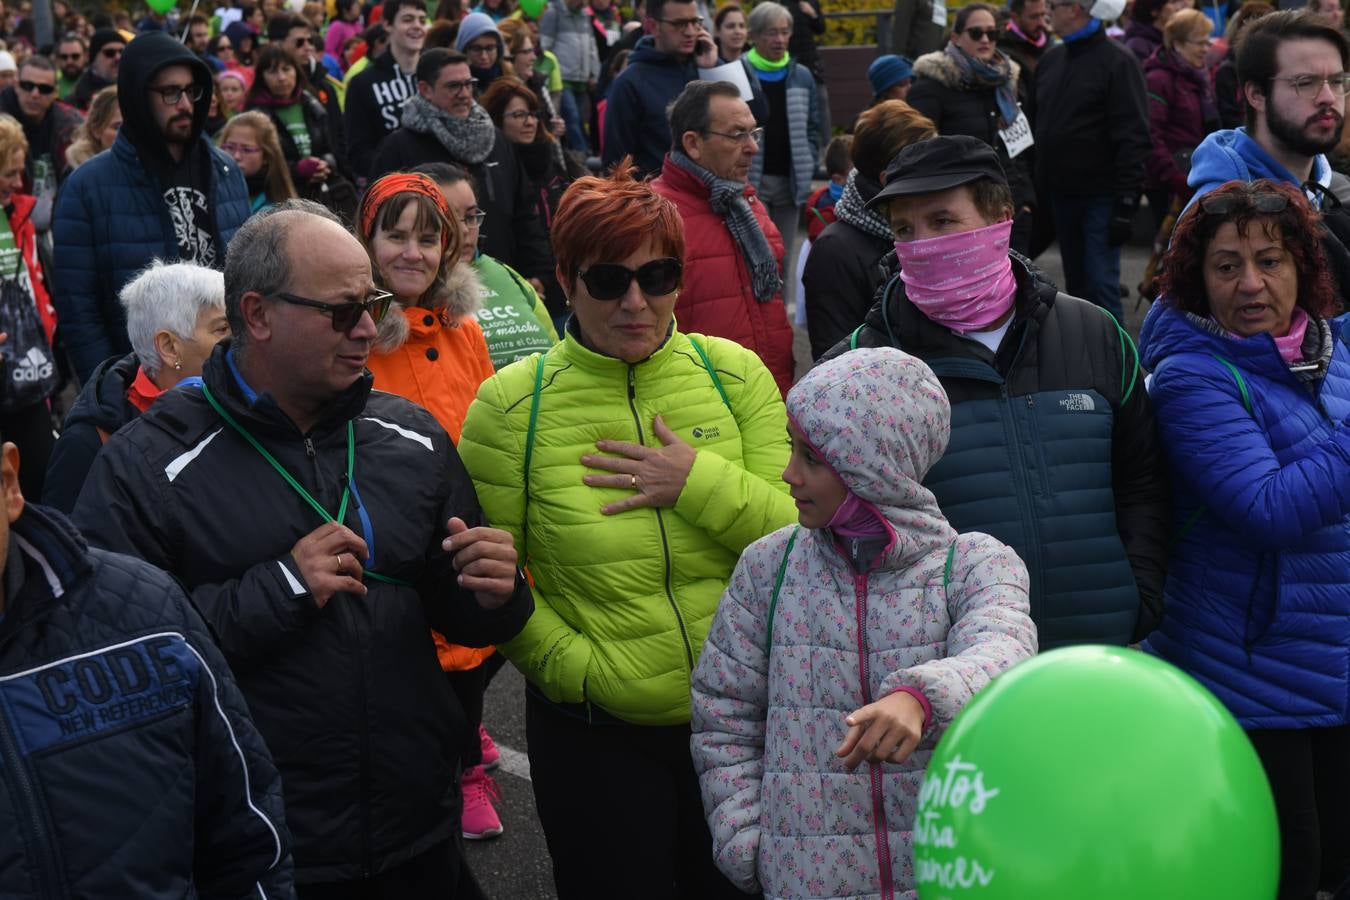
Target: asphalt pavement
(516, 866)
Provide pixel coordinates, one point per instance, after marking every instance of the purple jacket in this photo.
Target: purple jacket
(1143, 40)
(1180, 107)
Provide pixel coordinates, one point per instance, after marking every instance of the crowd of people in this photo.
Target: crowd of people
(349, 353)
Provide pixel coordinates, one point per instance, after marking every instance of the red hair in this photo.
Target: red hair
(1298, 228)
(608, 219)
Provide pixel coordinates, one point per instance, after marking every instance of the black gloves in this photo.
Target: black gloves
(1121, 226)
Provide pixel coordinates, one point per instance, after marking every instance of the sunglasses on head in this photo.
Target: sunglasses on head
(345, 316)
(610, 281)
(28, 87)
(1223, 204)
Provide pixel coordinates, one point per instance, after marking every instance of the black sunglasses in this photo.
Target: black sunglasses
(1223, 204)
(976, 34)
(28, 87)
(610, 281)
(345, 315)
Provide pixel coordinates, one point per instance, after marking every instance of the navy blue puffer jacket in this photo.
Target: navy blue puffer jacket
(111, 219)
(1258, 590)
(129, 766)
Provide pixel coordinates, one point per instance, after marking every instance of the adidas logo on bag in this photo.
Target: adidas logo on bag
(34, 366)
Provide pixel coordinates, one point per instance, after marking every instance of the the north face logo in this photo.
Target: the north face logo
(34, 366)
(708, 433)
(1078, 403)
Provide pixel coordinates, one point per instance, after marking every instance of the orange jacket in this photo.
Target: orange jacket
(439, 366)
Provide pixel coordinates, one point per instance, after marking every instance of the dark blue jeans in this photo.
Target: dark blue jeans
(1091, 265)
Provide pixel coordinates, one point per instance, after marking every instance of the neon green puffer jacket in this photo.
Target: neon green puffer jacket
(623, 603)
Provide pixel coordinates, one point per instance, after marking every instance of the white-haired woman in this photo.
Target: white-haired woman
(786, 162)
(175, 316)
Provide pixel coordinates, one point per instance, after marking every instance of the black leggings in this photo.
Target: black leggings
(620, 809)
(30, 429)
(437, 874)
(469, 685)
(1309, 773)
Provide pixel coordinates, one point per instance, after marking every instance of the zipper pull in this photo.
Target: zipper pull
(632, 383)
(309, 448)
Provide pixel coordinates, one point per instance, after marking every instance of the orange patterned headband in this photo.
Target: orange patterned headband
(400, 183)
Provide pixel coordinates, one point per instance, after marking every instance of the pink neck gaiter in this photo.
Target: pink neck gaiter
(855, 518)
(962, 281)
(1038, 43)
(1291, 345)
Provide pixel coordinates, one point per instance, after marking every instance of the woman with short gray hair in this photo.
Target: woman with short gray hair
(175, 317)
(782, 170)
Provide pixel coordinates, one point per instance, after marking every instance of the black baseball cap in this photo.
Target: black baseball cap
(938, 164)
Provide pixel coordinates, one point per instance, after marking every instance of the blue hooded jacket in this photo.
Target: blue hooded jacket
(1231, 155)
(1257, 601)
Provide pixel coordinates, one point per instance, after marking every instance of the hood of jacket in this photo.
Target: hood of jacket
(475, 25)
(145, 57)
(1168, 331)
(1231, 154)
(102, 401)
(461, 295)
(943, 69)
(645, 52)
(881, 419)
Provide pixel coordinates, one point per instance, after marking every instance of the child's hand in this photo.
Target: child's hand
(885, 731)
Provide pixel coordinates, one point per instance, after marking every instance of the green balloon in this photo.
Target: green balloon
(533, 9)
(161, 6)
(1095, 773)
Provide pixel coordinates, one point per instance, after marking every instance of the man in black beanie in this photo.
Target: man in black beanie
(105, 57)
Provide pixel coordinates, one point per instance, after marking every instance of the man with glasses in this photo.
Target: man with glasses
(49, 127)
(296, 34)
(1091, 128)
(72, 55)
(105, 57)
(375, 97)
(733, 275)
(675, 47)
(161, 192)
(1292, 74)
(329, 528)
(481, 43)
(443, 123)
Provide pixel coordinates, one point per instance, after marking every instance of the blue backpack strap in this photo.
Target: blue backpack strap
(712, 373)
(529, 452)
(778, 586)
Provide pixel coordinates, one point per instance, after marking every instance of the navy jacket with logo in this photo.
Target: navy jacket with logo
(1052, 451)
(129, 766)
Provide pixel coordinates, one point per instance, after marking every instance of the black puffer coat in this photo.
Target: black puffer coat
(350, 697)
(129, 766)
(100, 409)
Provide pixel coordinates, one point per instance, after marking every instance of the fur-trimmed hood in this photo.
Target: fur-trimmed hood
(461, 295)
(943, 69)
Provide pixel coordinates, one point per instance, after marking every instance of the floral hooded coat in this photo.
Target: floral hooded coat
(936, 612)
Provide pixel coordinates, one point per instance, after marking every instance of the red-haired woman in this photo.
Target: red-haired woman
(1251, 388)
(635, 463)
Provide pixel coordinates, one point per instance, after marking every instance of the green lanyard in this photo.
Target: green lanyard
(299, 488)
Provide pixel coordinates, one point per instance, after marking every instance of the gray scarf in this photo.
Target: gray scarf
(851, 208)
(727, 199)
(468, 141)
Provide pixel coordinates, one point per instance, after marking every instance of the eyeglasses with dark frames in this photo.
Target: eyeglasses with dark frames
(171, 94)
(347, 315)
(610, 281)
(682, 24)
(1225, 203)
(111, 52)
(27, 87)
(455, 87)
(520, 115)
(979, 34)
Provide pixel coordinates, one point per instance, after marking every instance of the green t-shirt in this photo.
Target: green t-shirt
(293, 117)
(9, 251)
(515, 322)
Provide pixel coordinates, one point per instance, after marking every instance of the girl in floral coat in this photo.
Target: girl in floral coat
(844, 646)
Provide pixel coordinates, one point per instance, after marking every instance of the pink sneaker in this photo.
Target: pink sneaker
(479, 820)
(491, 757)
